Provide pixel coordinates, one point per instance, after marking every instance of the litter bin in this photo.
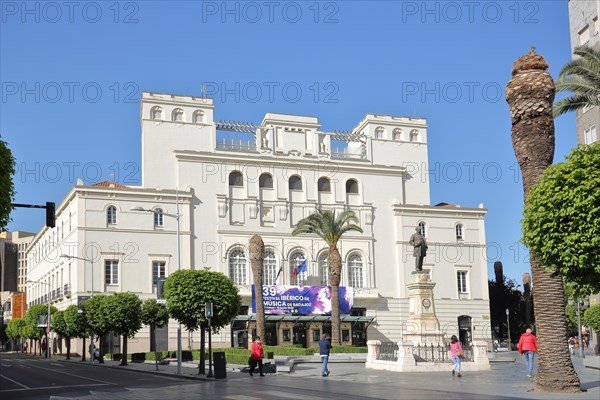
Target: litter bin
(219, 364)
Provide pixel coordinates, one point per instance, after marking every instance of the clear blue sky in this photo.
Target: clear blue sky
(72, 77)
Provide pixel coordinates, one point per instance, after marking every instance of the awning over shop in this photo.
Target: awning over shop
(305, 318)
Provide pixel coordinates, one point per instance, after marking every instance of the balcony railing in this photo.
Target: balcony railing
(344, 153)
(236, 144)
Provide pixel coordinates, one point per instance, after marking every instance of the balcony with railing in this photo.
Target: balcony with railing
(346, 153)
(236, 144)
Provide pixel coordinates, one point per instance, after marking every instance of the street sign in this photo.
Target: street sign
(161, 301)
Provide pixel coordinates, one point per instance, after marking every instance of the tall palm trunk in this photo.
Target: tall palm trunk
(257, 252)
(335, 273)
(530, 94)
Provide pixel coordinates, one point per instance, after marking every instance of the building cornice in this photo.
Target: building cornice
(417, 209)
(245, 158)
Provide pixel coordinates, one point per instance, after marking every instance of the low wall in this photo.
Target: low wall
(405, 359)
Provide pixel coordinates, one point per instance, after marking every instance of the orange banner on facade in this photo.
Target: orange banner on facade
(19, 305)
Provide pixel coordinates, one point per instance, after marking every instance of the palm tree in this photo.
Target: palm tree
(582, 77)
(330, 227)
(257, 252)
(530, 94)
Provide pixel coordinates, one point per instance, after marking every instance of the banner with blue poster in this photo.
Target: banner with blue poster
(302, 300)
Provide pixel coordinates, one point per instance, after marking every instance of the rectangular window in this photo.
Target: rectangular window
(286, 335)
(461, 280)
(316, 335)
(111, 272)
(590, 135)
(158, 271)
(584, 35)
(345, 335)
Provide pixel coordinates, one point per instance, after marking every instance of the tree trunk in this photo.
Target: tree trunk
(530, 95)
(335, 271)
(101, 349)
(202, 365)
(68, 347)
(124, 357)
(83, 351)
(257, 251)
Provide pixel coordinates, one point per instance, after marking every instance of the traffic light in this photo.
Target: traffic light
(50, 217)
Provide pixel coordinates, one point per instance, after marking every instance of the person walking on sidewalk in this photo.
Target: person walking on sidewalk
(457, 353)
(324, 348)
(528, 347)
(256, 356)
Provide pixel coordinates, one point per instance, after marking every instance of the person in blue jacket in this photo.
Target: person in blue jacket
(325, 347)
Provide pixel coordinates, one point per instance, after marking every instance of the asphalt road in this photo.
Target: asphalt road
(30, 377)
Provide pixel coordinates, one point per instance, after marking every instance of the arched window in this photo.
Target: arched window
(397, 134)
(178, 115)
(355, 270)
(323, 185)
(265, 181)
(237, 267)
(459, 232)
(379, 132)
(352, 186)
(295, 182)
(156, 113)
(324, 269)
(198, 117)
(269, 268)
(111, 215)
(158, 217)
(298, 268)
(414, 135)
(423, 229)
(236, 179)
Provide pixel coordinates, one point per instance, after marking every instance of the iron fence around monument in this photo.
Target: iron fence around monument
(388, 352)
(425, 353)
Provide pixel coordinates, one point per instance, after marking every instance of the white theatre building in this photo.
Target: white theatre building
(232, 180)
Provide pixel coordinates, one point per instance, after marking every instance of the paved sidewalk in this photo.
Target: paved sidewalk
(507, 378)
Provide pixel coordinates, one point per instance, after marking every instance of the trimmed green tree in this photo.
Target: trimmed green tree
(97, 310)
(155, 315)
(124, 317)
(32, 330)
(591, 317)
(77, 324)
(16, 329)
(187, 291)
(7, 191)
(561, 219)
(60, 326)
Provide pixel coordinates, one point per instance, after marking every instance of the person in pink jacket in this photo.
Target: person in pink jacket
(456, 351)
(528, 347)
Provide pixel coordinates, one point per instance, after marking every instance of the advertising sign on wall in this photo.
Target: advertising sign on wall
(280, 299)
(19, 300)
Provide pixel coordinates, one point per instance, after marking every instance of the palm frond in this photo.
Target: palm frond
(581, 77)
(328, 225)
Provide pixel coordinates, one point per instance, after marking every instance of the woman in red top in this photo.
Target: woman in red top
(256, 356)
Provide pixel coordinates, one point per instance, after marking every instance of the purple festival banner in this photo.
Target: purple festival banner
(280, 299)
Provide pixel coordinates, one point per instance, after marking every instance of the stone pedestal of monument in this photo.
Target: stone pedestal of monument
(422, 326)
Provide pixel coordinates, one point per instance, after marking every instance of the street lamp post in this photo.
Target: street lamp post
(579, 328)
(508, 327)
(91, 261)
(47, 331)
(176, 216)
